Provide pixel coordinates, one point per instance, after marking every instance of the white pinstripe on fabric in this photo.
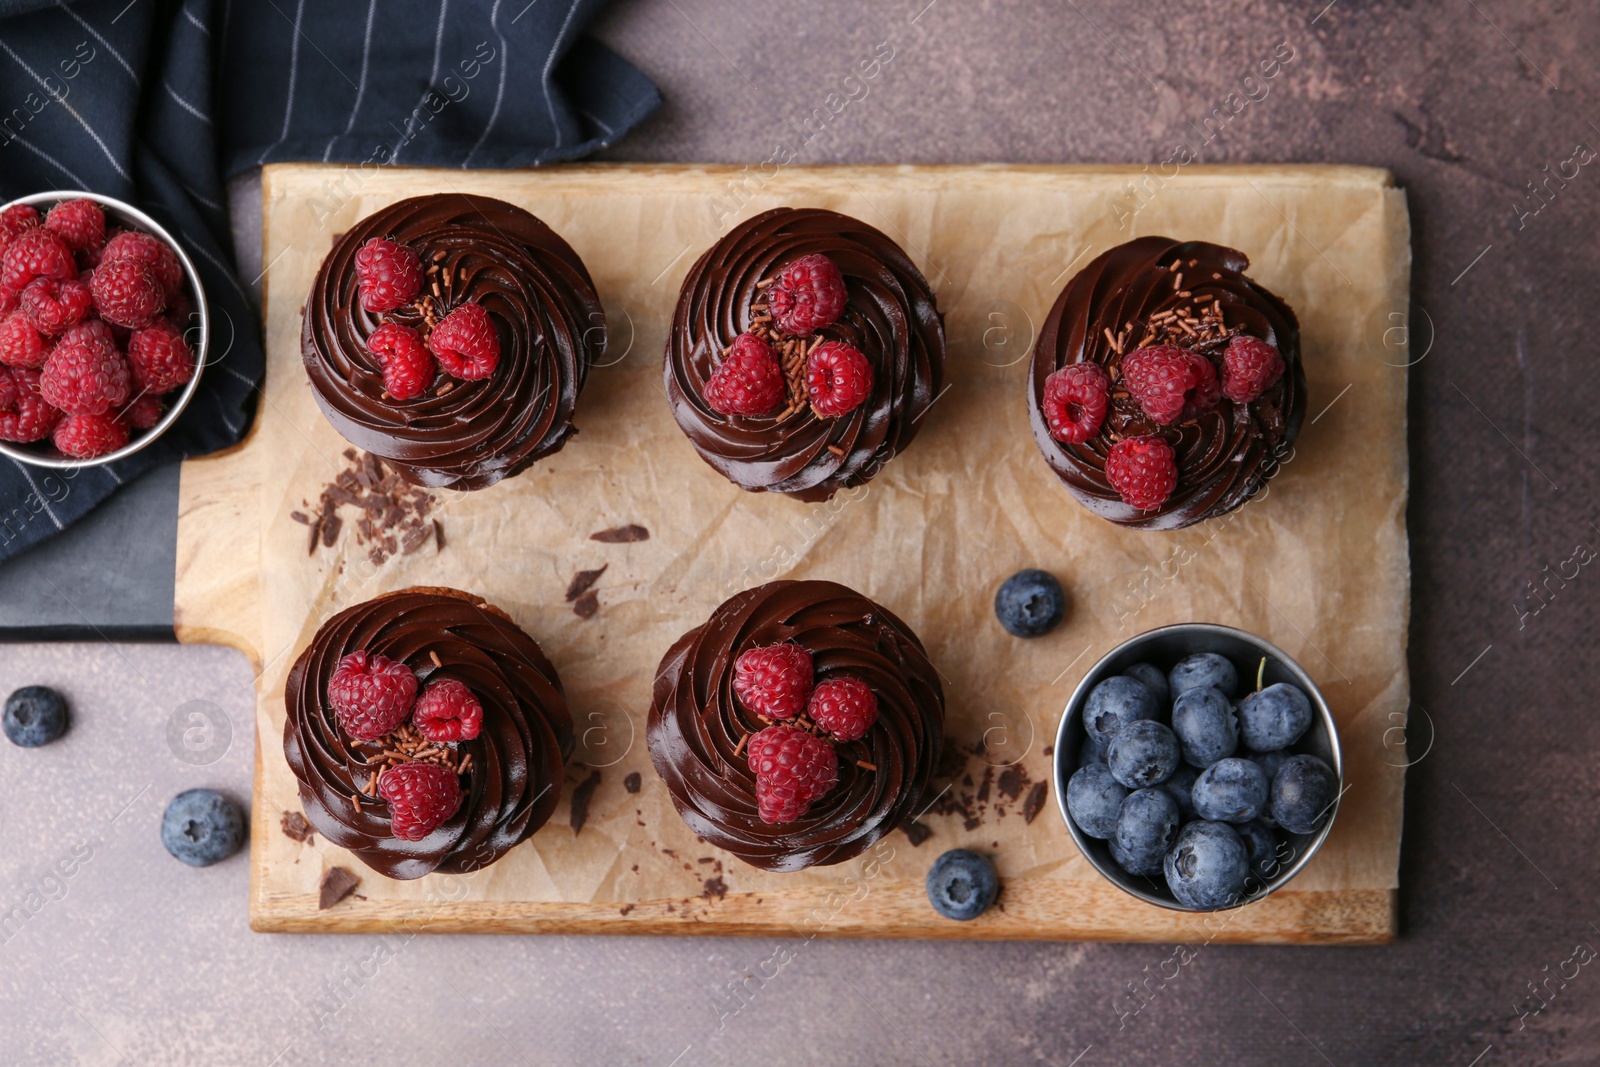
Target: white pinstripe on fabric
(294, 72)
(190, 108)
(96, 34)
(35, 487)
(69, 109)
(500, 90)
(555, 50)
(196, 23)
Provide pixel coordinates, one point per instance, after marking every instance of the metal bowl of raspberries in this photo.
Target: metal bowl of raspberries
(1198, 767)
(104, 330)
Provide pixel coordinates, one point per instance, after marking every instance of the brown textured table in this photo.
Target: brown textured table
(135, 959)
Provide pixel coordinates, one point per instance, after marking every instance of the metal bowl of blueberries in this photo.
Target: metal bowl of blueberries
(1198, 767)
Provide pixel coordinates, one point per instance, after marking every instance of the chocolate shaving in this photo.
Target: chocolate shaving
(392, 516)
(582, 581)
(632, 783)
(1035, 802)
(916, 831)
(621, 535)
(715, 889)
(586, 605)
(295, 826)
(337, 884)
(580, 801)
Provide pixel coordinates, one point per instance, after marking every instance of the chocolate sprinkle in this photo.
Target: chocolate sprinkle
(621, 535)
(633, 782)
(295, 826)
(586, 605)
(337, 884)
(582, 581)
(580, 801)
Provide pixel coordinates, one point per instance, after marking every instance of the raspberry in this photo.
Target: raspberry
(20, 343)
(1143, 471)
(9, 390)
(808, 295)
(152, 252)
(85, 374)
(80, 223)
(126, 292)
(792, 769)
(15, 219)
(1169, 382)
(389, 275)
(447, 711)
(53, 306)
(466, 342)
(159, 358)
(773, 680)
(406, 362)
(179, 310)
(1075, 399)
(36, 253)
(142, 412)
(88, 436)
(844, 707)
(838, 379)
(1207, 389)
(421, 797)
(371, 694)
(1250, 367)
(748, 381)
(32, 419)
(9, 300)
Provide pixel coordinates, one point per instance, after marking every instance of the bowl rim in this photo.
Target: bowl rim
(1322, 715)
(201, 347)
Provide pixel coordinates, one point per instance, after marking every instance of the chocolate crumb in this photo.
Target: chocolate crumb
(916, 831)
(392, 515)
(1035, 802)
(582, 581)
(715, 889)
(621, 535)
(632, 782)
(301, 517)
(438, 536)
(586, 605)
(1047, 750)
(337, 884)
(625, 909)
(296, 827)
(1012, 779)
(580, 801)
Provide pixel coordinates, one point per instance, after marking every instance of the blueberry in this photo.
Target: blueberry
(1154, 679)
(1093, 799)
(1203, 720)
(1180, 786)
(1205, 668)
(1113, 704)
(1030, 603)
(35, 715)
(1269, 762)
(1208, 866)
(1231, 790)
(1146, 827)
(1303, 791)
(201, 827)
(1261, 845)
(1276, 717)
(962, 884)
(1142, 754)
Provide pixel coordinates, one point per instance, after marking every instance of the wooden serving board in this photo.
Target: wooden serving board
(1318, 565)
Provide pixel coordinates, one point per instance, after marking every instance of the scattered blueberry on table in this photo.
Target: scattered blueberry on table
(34, 715)
(962, 884)
(202, 827)
(1030, 603)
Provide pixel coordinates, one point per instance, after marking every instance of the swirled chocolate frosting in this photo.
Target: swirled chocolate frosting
(1121, 302)
(697, 725)
(889, 316)
(513, 780)
(459, 434)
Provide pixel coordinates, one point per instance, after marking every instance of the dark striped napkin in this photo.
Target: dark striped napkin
(157, 102)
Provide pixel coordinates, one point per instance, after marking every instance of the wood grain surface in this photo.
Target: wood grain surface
(1346, 895)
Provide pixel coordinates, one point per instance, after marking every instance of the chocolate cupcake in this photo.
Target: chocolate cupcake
(427, 732)
(450, 335)
(805, 349)
(796, 674)
(1165, 385)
